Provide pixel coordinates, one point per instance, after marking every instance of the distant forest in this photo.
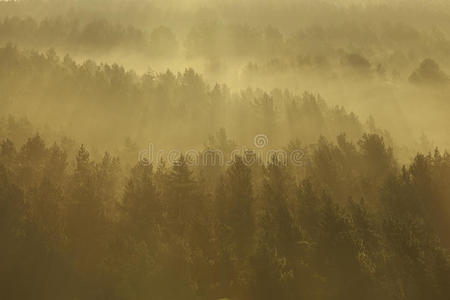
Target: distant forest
(359, 89)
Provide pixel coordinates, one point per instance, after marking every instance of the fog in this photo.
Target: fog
(359, 90)
(360, 55)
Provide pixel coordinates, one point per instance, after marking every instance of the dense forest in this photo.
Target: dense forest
(193, 149)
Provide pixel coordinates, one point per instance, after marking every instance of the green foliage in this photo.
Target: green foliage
(349, 222)
(259, 235)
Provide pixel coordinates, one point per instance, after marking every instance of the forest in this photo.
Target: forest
(194, 149)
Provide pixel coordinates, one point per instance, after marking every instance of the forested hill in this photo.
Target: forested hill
(179, 109)
(234, 150)
(347, 223)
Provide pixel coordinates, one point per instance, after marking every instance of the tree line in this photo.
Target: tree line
(176, 109)
(349, 223)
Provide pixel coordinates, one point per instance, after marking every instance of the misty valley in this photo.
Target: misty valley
(194, 149)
